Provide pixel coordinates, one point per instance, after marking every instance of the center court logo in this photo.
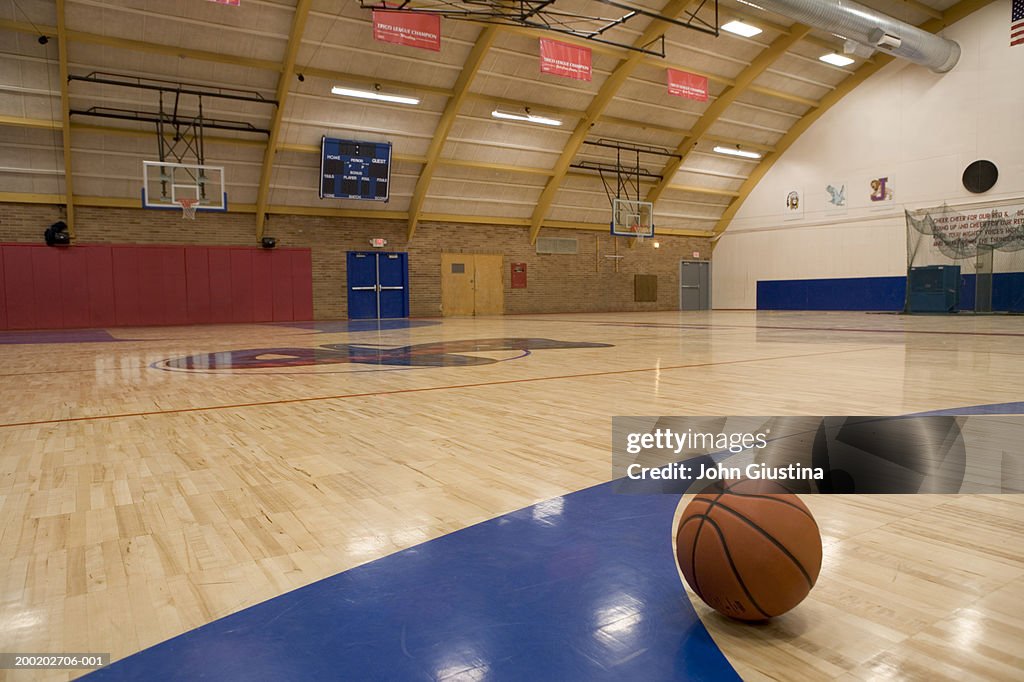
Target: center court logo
(438, 354)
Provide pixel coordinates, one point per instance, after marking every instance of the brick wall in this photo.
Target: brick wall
(585, 282)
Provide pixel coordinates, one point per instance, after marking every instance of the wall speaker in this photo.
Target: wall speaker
(980, 176)
(57, 234)
(268, 242)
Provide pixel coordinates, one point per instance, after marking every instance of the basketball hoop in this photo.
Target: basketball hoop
(188, 208)
(632, 218)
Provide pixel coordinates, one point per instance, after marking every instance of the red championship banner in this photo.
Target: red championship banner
(562, 59)
(415, 29)
(689, 85)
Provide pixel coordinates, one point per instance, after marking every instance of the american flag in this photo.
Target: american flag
(1017, 23)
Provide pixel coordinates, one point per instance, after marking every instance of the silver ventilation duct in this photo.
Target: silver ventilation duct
(869, 28)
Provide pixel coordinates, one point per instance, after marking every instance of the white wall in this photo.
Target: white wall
(918, 128)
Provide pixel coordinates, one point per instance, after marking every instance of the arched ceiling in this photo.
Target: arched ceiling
(452, 160)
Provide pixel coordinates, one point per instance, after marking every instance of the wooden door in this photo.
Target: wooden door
(472, 284)
(489, 289)
(457, 284)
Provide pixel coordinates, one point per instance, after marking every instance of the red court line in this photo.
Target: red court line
(345, 396)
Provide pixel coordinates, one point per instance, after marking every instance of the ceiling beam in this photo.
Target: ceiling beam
(275, 209)
(171, 50)
(705, 190)
(949, 17)
(472, 64)
(604, 97)
(22, 122)
(769, 56)
(500, 167)
(138, 45)
(65, 109)
(785, 96)
(284, 85)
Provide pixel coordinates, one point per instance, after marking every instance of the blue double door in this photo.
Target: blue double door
(378, 285)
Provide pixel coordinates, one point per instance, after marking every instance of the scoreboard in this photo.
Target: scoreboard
(354, 170)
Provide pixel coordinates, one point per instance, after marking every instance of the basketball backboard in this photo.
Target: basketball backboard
(632, 218)
(168, 185)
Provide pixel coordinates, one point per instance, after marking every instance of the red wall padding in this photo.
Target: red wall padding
(302, 286)
(75, 298)
(197, 284)
(45, 264)
(18, 290)
(3, 298)
(243, 302)
(100, 281)
(44, 287)
(220, 284)
(263, 287)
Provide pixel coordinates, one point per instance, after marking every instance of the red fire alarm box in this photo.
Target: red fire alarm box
(519, 275)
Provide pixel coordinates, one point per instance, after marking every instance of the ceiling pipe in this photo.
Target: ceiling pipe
(870, 28)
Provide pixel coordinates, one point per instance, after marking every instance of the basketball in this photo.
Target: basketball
(749, 549)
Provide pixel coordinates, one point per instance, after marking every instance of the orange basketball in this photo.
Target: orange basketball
(748, 548)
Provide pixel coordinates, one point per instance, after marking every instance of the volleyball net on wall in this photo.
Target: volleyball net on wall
(985, 241)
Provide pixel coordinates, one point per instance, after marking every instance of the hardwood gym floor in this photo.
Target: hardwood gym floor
(141, 498)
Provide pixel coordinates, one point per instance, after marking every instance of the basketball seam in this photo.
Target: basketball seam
(760, 496)
(693, 551)
(782, 548)
(769, 496)
(732, 565)
(693, 564)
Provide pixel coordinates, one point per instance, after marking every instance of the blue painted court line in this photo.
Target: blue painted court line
(339, 326)
(580, 587)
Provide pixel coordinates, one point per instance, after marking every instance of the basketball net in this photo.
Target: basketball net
(188, 208)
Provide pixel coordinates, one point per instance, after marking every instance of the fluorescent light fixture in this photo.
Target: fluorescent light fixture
(835, 59)
(374, 94)
(741, 29)
(736, 151)
(527, 117)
